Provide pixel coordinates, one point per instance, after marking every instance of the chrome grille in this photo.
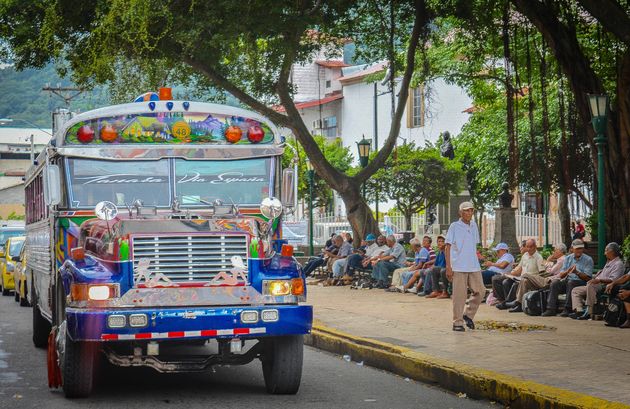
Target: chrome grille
(189, 258)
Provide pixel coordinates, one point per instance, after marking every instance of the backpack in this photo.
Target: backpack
(535, 302)
(615, 313)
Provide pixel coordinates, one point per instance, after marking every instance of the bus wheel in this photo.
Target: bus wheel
(76, 362)
(282, 364)
(41, 327)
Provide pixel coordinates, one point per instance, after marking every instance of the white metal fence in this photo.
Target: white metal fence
(528, 226)
(324, 225)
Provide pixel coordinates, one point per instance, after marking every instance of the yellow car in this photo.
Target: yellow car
(8, 256)
(20, 279)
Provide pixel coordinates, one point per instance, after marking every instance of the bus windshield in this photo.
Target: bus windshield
(245, 181)
(121, 182)
(194, 183)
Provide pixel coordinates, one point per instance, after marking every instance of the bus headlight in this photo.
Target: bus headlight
(276, 287)
(94, 292)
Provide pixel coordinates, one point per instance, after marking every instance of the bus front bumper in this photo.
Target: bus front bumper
(188, 323)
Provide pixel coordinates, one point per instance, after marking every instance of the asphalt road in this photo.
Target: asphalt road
(328, 381)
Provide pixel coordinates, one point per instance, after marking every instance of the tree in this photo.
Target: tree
(246, 49)
(417, 179)
(334, 152)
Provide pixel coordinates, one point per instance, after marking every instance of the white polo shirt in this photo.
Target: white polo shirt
(463, 239)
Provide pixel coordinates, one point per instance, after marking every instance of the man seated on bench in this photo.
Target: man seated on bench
(360, 261)
(612, 270)
(621, 287)
(530, 282)
(394, 257)
(531, 262)
(321, 260)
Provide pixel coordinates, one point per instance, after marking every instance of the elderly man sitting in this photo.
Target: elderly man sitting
(340, 259)
(612, 270)
(621, 288)
(401, 274)
(394, 257)
(503, 265)
(321, 260)
(361, 259)
(529, 282)
(577, 269)
(531, 262)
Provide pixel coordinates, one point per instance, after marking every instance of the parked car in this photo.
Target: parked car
(20, 279)
(12, 248)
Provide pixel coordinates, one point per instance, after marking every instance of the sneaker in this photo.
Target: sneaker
(459, 328)
(434, 294)
(469, 322)
(412, 290)
(443, 295)
(565, 313)
(548, 313)
(584, 317)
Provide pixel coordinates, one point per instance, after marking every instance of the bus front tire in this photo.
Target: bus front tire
(77, 368)
(282, 364)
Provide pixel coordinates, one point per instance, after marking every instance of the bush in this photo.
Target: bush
(591, 225)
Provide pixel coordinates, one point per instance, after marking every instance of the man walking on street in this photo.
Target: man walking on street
(462, 267)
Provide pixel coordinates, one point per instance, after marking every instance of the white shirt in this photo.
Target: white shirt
(375, 250)
(506, 257)
(463, 239)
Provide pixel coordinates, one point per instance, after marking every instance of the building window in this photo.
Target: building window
(415, 107)
(328, 83)
(329, 128)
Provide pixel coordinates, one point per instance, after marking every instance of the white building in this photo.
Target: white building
(336, 100)
(15, 159)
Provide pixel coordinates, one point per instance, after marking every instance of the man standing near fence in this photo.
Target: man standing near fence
(462, 267)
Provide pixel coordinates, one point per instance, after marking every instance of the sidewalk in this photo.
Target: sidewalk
(580, 356)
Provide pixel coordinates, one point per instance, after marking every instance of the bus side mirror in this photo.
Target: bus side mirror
(52, 185)
(289, 187)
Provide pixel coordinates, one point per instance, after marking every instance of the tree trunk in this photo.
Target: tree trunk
(583, 80)
(565, 217)
(408, 220)
(359, 213)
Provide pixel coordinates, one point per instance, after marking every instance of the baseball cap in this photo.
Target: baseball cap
(370, 237)
(501, 246)
(466, 205)
(577, 244)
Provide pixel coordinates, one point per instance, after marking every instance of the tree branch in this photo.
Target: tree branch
(421, 19)
(611, 16)
(227, 85)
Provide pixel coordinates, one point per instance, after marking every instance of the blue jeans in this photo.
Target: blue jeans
(382, 269)
(487, 276)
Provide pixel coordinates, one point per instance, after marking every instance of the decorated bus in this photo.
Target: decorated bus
(156, 226)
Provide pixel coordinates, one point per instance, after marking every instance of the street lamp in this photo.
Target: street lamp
(5, 121)
(599, 112)
(364, 155)
(311, 176)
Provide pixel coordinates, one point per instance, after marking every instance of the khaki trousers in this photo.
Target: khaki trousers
(588, 291)
(530, 282)
(397, 276)
(461, 283)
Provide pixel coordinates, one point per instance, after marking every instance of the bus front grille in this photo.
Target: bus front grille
(186, 258)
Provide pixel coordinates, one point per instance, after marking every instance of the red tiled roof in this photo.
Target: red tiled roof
(331, 63)
(313, 103)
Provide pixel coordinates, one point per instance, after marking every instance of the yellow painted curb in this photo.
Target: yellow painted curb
(477, 383)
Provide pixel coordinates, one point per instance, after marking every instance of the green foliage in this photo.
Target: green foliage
(590, 224)
(14, 216)
(334, 152)
(417, 179)
(625, 248)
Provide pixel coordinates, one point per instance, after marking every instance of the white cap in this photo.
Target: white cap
(501, 246)
(465, 205)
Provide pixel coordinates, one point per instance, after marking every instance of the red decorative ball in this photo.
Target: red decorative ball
(85, 134)
(233, 134)
(255, 134)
